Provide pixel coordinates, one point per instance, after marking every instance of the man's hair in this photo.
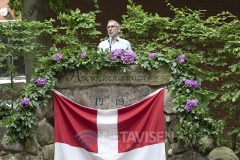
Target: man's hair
(118, 24)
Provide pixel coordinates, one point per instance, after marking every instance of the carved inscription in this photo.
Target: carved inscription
(118, 76)
(100, 102)
(119, 101)
(136, 75)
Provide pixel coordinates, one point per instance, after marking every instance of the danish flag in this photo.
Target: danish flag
(134, 132)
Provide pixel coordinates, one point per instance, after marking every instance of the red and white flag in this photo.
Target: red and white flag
(135, 132)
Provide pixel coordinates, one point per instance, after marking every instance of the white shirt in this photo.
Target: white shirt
(119, 43)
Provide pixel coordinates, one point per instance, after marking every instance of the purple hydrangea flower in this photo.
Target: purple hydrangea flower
(190, 104)
(113, 57)
(188, 108)
(191, 83)
(128, 57)
(194, 84)
(57, 57)
(83, 55)
(151, 55)
(181, 58)
(25, 101)
(41, 82)
(124, 59)
(117, 52)
(32, 80)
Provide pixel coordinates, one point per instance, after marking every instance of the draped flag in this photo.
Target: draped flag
(135, 132)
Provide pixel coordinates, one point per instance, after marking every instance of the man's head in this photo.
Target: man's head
(113, 28)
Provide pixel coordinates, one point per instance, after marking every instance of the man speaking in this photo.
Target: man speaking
(114, 41)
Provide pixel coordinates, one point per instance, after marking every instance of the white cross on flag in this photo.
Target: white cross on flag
(135, 132)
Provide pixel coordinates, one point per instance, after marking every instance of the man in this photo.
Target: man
(114, 41)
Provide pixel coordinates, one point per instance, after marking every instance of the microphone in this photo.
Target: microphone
(110, 42)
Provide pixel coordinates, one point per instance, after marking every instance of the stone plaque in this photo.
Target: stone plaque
(106, 76)
(111, 88)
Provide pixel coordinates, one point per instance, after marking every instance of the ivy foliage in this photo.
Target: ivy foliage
(210, 42)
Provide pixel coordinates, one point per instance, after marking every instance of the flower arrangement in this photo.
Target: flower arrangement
(124, 56)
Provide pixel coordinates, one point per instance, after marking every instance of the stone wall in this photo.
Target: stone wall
(105, 89)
